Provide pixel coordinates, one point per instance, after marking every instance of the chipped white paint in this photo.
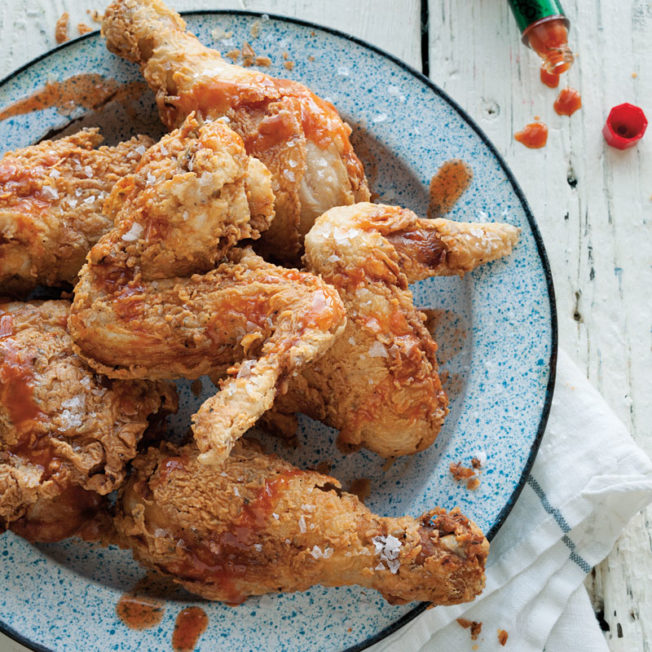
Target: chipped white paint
(596, 230)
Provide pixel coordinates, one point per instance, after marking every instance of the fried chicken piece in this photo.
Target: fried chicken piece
(378, 383)
(51, 197)
(299, 136)
(194, 195)
(66, 434)
(134, 317)
(263, 526)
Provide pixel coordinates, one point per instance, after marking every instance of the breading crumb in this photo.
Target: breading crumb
(473, 625)
(473, 483)
(311, 58)
(61, 28)
(95, 15)
(288, 65)
(263, 61)
(233, 54)
(83, 28)
(460, 472)
(502, 636)
(254, 30)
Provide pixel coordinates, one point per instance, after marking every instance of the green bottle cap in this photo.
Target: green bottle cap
(527, 12)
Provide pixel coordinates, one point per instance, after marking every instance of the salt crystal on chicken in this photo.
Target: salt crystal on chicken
(151, 179)
(140, 149)
(316, 552)
(134, 233)
(302, 524)
(50, 193)
(388, 548)
(54, 173)
(377, 350)
(88, 171)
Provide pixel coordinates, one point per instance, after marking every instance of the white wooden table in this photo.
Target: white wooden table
(593, 203)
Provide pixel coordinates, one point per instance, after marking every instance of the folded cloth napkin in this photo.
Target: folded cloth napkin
(588, 480)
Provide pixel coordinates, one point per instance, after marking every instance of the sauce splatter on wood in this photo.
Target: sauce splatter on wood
(534, 135)
(568, 101)
(89, 91)
(189, 626)
(447, 186)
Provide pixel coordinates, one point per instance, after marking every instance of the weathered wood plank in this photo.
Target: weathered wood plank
(27, 28)
(593, 207)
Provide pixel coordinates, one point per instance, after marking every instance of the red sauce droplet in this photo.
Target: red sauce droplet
(550, 79)
(568, 101)
(534, 136)
(190, 625)
(447, 186)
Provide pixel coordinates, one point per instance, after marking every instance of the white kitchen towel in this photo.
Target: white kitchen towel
(588, 480)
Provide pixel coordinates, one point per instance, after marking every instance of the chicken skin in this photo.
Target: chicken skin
(51, 197)
(134, 316)
(378, 384)
(299, 136)
(66, 434)
(263, 526)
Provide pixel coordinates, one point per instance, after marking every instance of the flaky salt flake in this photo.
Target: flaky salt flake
(275, 515)
(134, 233)
(49, 192)
(258, 546)
(302, 524)
(316, 552)
(380, 567)
(140, 149)
(88, 171)
(377, 350)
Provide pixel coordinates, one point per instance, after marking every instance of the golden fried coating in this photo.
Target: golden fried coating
(378, 383)
(299, 136)
(66, 434)
(51, 197)
(261, 525)
(133, 316)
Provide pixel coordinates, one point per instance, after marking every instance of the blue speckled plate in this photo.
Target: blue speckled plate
(496, 327)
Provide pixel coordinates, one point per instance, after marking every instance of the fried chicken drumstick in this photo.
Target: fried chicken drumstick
(378, 383)
(66, 434)
(263, 526)
(299, 137)
(134, 317)
(51, 197)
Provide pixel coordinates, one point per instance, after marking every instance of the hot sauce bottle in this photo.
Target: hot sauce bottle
(545, 29)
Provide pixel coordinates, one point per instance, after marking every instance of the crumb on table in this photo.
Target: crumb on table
(502, 636)
(473, 625)
(61, 28)
(83, 28)
(95, 15)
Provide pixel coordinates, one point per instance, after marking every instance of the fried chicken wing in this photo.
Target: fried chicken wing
(51, 197)
(263, 526)
(378, 383)
(66, 434)
(143, 307)
(299, 136)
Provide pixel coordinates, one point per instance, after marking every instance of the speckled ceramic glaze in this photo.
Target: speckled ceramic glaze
(497, 345)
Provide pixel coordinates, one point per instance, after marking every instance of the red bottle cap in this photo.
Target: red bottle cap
(625, 126)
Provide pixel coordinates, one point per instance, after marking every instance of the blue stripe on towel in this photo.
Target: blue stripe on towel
(561, 521)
